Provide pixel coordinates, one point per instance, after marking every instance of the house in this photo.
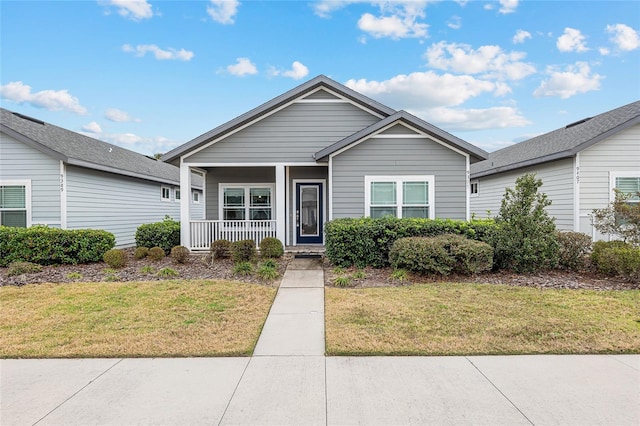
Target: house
(579, 164)
(56, 177)
(318, 152)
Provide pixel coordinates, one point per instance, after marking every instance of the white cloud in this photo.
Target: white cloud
(508, 6)
(92, 127)
(565, 84)
(623, 36)
(521, 36)
(52, 100)
(393, 27)
(455, 23)
(324, 8)
(119, 116)
(242, 67)
(160, 54)
(131, 9)
(297, 71)
(460, 119)
(604, 51)
(571, 41)
(223, 11)
(491, 61)
(122, 138)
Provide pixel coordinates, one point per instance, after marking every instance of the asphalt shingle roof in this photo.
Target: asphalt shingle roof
(561, 143)
(77, 149)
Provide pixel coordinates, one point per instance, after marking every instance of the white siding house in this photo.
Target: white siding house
(52, 176)
(580, 165)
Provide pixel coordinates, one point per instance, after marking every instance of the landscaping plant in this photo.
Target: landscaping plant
(243, 268)
(243, 250)
(621, 217)
(180, 254)
(573, 250)
(156, 253)
(141, 252)
(19, 268)
(220, 249)
(271, 248)
(165, 234)
(115, 258)
(267, 272)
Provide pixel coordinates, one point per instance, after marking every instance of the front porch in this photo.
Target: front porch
(204, 232)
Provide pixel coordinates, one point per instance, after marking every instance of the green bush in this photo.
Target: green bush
(156, 253)
(167, 273)
(141, 252)
(267, 272)
(421, 255)
(53, 246)
(574, 248)
(220, 249)
(271, 248)
(367, 241)
(525, 238)
(270, 263)
(115, 258)
(19, 268)
(471, 257)
(180, 254)
(243, 268)
(603, 258)
(165, 234)
(243, 250)
(627, 261)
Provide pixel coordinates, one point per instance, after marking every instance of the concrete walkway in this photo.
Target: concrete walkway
(289, 381)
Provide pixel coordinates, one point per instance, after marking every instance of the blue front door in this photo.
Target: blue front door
(309, 207)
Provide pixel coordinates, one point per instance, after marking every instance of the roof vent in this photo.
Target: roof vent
(26, 117)
(584, 120)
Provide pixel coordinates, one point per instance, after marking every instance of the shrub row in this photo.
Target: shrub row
(367, 242)
(441, 255)
(53, 246)
(617, 258)
(245, 250)
(165, 234)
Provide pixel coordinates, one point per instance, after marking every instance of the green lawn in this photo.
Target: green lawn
(464, 319)
(132, 319)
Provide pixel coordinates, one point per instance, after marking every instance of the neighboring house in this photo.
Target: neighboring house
(579, 165)
(318, 152)
(55, 177)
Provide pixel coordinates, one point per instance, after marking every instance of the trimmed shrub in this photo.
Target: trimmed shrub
(165, 234)
(367, 242)
(115, 258)
(601, 256)
(156, 253)
(19, 268)
(627, 262)
(471, 257)
(53, 246)
(574, 248)
(141, 252)
(421, 255)
(180, 254)
(243, 250)
(271, 248)
(220, 249)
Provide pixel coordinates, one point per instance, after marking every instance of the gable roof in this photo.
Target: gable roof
(561, 143)
(80, 150)
(405, 117)
(275, 103)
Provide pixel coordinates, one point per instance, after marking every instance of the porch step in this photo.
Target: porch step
(306, 252)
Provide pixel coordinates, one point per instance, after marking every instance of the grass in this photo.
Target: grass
(134, 319)
(468, 319)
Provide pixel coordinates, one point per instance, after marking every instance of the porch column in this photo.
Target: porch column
(280, 203)
(185, 205)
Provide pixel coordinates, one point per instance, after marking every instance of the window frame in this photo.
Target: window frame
(473, 183)
(162, 197)
(612, 182)
(27, 198)
(247, 187)
(177, 194)
(195, 197)
(399, 181)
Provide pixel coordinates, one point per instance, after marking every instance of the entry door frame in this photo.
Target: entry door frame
(294, 204)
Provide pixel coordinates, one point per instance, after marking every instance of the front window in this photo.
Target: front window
(629, 186)
(13, 206)
(399, 196)
(177, 195)
(165, 193)
(254, 202)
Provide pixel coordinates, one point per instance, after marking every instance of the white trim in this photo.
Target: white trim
(280, 196)
(477, 183)
(400, 136)
(302, 164)
(287, 209)
(162, 197)
(468, 188)
(195, 192)
(322, 101)
(185, 205)
(294, 205)
(27, 194)
(398, 180)
(576, 193)
(63, 195)
(330, 188)
(617, 174)
(246, 187)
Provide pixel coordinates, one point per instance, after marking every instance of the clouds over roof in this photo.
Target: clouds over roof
(52, 100)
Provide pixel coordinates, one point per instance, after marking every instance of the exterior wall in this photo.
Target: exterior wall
(401, 156)
(218, 175)
(115, 203)
(19, 161)
(557, 183)
(293, 134)
(319, 173)
(620, 153)
(197, 209)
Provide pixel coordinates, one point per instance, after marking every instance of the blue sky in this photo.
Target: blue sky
(151, 75)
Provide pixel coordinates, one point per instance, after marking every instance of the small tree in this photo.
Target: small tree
(525, 240)
(621, 217)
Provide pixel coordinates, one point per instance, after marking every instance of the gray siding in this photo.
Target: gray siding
(397, 157)
(197, 209)
(557, 183)
(218, 175)
(115, 203)
(319, 173)
(621, 152)
(321, 94)
(20, 161)
(293, 134)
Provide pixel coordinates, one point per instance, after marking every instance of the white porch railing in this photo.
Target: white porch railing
(204, 232)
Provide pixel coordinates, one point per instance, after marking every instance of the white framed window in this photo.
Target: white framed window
(15, 203)
(165, 193)
(627, 183)
(399, 196)
(246, 202)
(177, 195)
(473, 188)
(196, 197)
